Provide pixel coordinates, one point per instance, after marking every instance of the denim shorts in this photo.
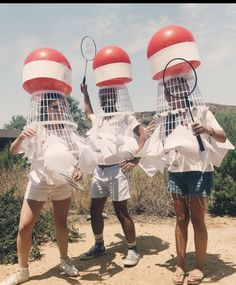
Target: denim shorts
(190, 183)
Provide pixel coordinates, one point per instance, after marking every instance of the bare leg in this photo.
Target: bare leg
(198, 209)
(61, 211)
(96, 209)
(29, 214)
(125, 220)
(181, 228)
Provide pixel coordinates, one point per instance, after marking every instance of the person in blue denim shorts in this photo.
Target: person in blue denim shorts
(190, 186)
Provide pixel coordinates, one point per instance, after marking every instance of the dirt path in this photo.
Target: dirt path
(158, 258)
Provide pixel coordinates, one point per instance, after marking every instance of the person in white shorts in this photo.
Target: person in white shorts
(111, 178)
(40, 188)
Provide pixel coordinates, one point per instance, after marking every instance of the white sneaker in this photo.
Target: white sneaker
(21, 275)
(132, 258)
(67, 267)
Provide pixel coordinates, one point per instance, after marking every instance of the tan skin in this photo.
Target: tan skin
(192, 210)
(31, 209)
(121, 208)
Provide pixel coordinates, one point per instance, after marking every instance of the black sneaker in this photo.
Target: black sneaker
(95, 251)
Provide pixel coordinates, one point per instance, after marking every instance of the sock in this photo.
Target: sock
(99, 238)
(132, 246)
(64, 259)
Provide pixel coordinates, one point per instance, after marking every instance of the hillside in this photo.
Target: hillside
(146, 117)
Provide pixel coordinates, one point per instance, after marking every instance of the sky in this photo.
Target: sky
(130, 26)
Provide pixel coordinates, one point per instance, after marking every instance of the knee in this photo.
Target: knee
(198, 222)
(25, 229)
(95, 212)
(122, 215)
(182, 220)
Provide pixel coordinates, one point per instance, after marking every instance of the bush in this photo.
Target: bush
(9, 219)
(223, 200)
(7, 161)
(10, 207)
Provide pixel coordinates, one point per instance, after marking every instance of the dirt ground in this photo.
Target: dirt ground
(156, 243)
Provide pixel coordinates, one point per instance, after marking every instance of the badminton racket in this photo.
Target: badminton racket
(88, 49)
(177, 87)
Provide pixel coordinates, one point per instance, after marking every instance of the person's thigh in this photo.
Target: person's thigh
(30, 211)
(61, 209)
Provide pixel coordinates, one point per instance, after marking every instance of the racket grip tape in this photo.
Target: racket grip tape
(202, 148)
(84, 80)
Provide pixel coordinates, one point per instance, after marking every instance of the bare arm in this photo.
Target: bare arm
(88, 110)
(140, 132)
(25, 134)
(218, 135)
(130, 164)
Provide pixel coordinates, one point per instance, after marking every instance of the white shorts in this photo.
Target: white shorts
(110, 181)
(42, 191)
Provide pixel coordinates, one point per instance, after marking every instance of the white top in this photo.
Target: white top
(180, 151)
(56, 159)
(113, 137)
(187, 156)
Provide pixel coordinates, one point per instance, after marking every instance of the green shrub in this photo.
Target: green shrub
(223, 199)
(7, 160)
(10, 207)
(9, 219)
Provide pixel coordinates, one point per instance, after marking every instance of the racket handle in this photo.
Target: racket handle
(202, 148)
(84, 80)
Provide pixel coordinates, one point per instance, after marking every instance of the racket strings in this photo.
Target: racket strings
(177, 91)
(176, 96)
(88, 48)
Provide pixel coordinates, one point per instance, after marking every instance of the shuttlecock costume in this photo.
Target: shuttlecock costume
(56, 149)
(173, 143)
(112, 131)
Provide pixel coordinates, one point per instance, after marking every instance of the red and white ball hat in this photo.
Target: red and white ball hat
(168, 43)
(47, 69)
(112, 66)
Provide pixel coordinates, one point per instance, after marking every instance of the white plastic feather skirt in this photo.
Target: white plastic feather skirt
(172, 111)
(114, 100)
(50, 114)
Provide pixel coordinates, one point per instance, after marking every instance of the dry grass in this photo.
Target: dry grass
(148, 194)
(15, 177)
